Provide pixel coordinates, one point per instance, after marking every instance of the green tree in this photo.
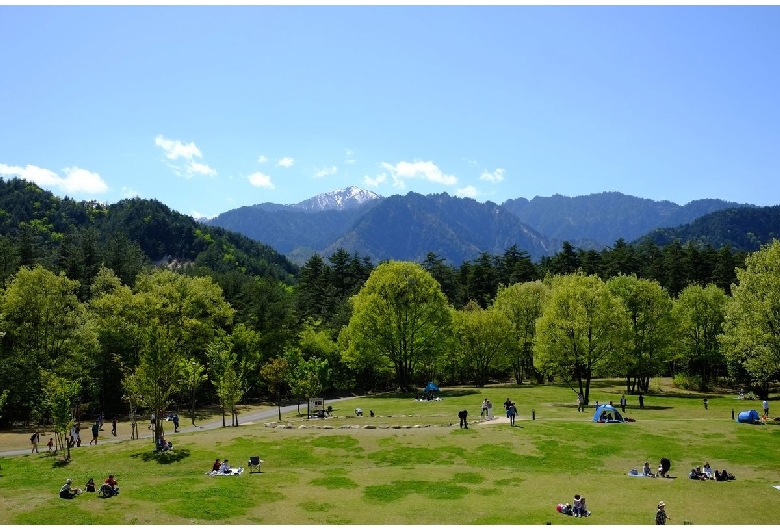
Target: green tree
(649, 310)
(193, 375)
(224, 371)
(60, 396)
(399, 316)
(751, 329)
(699, 312)
(158, 375)
(522, 304)
(582, 331)
(275, 373)
(485, 338)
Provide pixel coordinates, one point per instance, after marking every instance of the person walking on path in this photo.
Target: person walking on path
(175, 422)
(483, 412)
(766, 407)
(489, 409)
(151, 423)
(641, 401)
(113, 426)
(660, 515)
(95, 432)
(705, 403)
(580, 402)
(623, 403)
(34, 439)
(50, 444)
(512, 411)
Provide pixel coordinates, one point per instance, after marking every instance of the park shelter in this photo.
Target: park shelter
(608, 409)
(748, 416)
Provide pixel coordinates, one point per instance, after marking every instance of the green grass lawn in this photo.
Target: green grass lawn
(432, 474)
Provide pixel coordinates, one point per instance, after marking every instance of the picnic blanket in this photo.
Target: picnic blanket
(233, 472)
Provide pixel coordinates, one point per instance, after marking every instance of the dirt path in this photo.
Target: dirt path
(18, 442)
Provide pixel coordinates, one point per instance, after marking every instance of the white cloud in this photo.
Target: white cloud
(496, 176)
(324, 172)
(261, 181)
(201, 169)
(129, 193)
(175, 150)
(75, 181)
(418, 169)
(374, 182)
(285, 162)
(470, 161)
(350, 154)
(262, 159)
(198, 215)
(468, 191)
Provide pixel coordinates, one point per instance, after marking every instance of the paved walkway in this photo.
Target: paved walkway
(243, 419)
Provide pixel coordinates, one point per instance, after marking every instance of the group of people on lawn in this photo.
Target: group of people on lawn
(67, 491)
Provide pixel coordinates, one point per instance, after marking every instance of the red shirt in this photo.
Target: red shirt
(111, 481)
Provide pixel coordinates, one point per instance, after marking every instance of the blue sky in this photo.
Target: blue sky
(212, 108)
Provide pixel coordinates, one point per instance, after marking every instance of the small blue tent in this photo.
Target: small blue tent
(748, 416)
(431, 387)
(605, 410)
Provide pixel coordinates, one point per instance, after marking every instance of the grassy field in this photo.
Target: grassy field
(418, 467)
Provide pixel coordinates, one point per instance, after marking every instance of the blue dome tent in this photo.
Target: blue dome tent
(605, 410)
(431, 387)
(748, 416)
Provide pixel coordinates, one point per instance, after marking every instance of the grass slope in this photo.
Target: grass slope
(434, 474)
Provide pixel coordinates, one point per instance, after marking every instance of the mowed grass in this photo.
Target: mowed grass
(432, 474)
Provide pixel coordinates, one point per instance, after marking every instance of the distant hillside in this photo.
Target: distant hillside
(41, 228)
(742, 228)
(605, 217)
(408, 227)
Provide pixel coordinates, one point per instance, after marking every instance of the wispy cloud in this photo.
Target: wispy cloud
(350, 156)
(324, 172)
(262, 159)
(129, 193)
(374, 182)
(418, 169)
(75, 181)
(260, 181)
(175, 150)
(496, 176)
(470, 161)
(285, 162)
(468, 191)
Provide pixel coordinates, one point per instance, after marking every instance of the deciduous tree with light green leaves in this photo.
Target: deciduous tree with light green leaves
(751, 329)
(699, 313)
(649, 310)
(398, 317)
(193, 375)
(60, 395)
(225, 375)
(522, 303)
(485, 339)
(275, 373)
(583, 331)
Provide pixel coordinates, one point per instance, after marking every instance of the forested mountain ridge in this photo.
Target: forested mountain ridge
(408, 227)
(741, 228)
(606, 217)
(38, 227)
(405, 227)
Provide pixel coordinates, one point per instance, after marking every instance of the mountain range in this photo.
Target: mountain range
(407, 227)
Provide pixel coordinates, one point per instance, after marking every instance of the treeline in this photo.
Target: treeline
(112, 308)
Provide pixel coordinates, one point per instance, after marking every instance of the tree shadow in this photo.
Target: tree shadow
(58, 463)
(166, 457)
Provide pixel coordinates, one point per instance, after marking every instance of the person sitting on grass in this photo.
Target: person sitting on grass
(646, 471)
(583, 508)
(66, 492)
(664, 466)
(225, 467)
(708, 470)
(216, 465)
(90, 485)
(111, 481)
(577, 505)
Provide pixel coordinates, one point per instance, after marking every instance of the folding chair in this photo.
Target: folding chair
(254, 464)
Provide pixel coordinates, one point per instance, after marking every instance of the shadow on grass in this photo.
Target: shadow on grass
(58, 463)
(168, 457)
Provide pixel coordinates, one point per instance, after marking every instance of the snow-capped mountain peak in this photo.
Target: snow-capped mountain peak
(343, 199)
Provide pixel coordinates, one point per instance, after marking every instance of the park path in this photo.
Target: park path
(268, 414)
